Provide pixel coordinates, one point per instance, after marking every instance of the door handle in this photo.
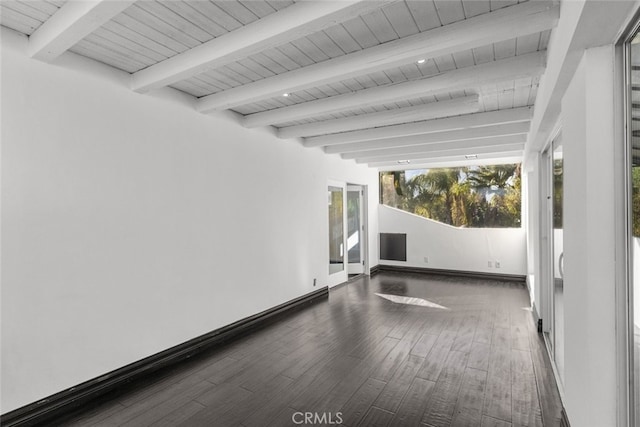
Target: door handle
(561, 265)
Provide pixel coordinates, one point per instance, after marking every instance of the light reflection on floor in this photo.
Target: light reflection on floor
(410, 301)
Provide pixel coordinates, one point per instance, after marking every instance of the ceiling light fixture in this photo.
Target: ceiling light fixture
(404, 162)
(471, 156)
(421, 61)
(286, 95)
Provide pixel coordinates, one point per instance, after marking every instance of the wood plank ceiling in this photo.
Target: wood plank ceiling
(390, 83)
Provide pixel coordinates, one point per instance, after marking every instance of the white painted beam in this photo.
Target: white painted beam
(290, 23)
(575, 34)
(529, 65)
(452, 107)
(503, 24)
(508, 157)
(75, 20)
(469, 146)
(453, 162)
(428, 126)
(431, 138)
(445, 154)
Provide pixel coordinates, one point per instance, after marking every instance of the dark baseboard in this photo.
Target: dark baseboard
(65, 402)
(374, 270)
(458, 273)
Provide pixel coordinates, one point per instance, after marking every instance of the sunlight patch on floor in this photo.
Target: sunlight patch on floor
(411, 301)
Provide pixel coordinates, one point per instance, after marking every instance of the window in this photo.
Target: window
(476, 196)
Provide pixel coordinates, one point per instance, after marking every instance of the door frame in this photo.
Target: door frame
(338, 277)
(342, 276)
(547, 290)
(546, 247)
(363, 268)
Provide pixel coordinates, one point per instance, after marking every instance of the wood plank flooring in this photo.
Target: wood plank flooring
(362, 360)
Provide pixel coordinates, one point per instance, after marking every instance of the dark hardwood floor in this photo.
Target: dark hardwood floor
(362, 360)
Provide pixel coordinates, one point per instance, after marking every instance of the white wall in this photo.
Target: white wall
(636, 281)
(131, 223)
(453, 248)
(589, 242)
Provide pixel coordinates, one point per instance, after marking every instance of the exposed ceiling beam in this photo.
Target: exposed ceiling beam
(503, 24)
(290, 23)
(529, 65)
(71, 23)
(581, 25)
(470, 144)
(427, 126)
(431, 138)
(445, 154)
(452, 162)
(452, 107)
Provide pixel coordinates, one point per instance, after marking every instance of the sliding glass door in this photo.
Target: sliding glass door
(557, 198)
(553, 252)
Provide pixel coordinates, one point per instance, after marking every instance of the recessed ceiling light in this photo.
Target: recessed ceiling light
(285, 95)
(471, 156)
(421, 61)
(404, 162)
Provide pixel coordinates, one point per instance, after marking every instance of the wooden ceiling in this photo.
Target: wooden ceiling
(392, 84)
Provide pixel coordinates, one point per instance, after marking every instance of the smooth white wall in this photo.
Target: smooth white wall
(453, 248)
(589, 244)
(636, 281)
(131, 223)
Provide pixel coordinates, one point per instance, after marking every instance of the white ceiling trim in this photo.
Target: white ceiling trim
(423, 127)
(459, 154)
(470, 146)
(530, 65)
(452, 161)
(71, 23)
(467, 104)
(431, 138)
(504, 24)
(290, 23)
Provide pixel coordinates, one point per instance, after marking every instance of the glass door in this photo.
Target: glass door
(355, 230)
(553, 253)
(557, 169)
(337, 200)
(336, 230)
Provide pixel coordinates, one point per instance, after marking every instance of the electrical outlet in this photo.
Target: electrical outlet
(489, 264)
(426, 260)
(314, 282)
(497, 264)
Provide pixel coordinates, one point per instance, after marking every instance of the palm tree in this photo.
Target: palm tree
(434, 193)
(493, 176)
(457, 196)
(503, 182)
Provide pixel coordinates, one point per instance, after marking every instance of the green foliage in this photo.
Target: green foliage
(485, 196)
(487, 176)
(558, 171)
